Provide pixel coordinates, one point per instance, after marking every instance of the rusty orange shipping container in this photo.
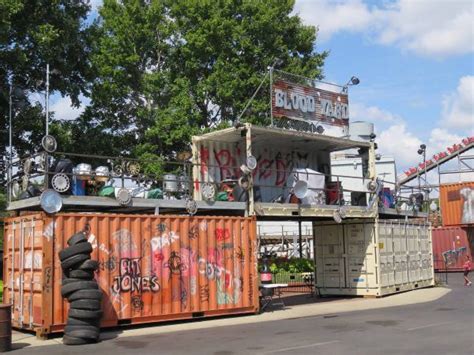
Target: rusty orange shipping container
(450, 247)
(152, 268)
(457, 203)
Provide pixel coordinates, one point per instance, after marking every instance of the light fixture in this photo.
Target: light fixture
(51, 201)
(49, 143)
(433, 206)
(422, 149)
(352, 81)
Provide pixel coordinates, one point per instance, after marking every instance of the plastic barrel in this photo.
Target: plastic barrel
(5, 327)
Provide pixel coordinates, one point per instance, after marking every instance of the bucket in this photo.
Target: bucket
(78, 187)
(5, 327)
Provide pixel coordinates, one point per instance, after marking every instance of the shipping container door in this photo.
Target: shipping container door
(329, 256)
(387, 259)
(361, 265)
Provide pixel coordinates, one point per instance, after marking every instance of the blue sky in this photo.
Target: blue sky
(415, 62)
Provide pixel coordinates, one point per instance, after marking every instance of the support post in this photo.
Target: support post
(300, 241)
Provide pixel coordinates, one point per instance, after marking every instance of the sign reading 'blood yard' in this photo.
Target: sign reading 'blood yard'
(297, 101)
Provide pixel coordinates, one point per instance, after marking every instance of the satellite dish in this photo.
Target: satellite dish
(60, 182)
(301, 189)
(51, 201)
(251, 162)
(49, 143)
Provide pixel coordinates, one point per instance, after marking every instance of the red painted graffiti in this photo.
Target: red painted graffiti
(222, 234)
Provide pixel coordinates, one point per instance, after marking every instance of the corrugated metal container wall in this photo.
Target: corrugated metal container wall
(152, 268)
(450, 246)
(364, 258)
(457, 203)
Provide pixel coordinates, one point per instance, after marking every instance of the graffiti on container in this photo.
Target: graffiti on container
(33, 260)
(161, 227)
(137, 303)
(174, 264)
(272, 167)
(204, 293)
(49, 231)
(222, 296)
(159, 242)
(222, 234)
(131, 278)
(451, 257)
(103, 248)
(203, 226)
(240, 255)
(109, 264)
(193, 232)
(193, 285)
(48, 279)
(93, 240)
(467, 195)
(124, 243)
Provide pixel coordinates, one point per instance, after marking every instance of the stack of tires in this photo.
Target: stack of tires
(81, 291)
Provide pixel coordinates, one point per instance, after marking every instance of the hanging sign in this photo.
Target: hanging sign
(296, 101)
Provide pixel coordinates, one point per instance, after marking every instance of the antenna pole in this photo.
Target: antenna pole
(47, 99)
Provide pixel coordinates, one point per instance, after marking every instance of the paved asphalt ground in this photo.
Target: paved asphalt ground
(444, 326)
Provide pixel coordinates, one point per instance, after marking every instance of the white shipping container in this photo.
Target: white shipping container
(372, 258)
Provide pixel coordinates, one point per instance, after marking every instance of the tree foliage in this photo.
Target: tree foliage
(169, 69)
(33, 33)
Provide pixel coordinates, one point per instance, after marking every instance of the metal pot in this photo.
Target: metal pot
(170, 183)
(102, 174)
(83, 171)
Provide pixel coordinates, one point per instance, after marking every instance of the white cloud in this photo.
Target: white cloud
(371, 113)
(431, 28)
(458, 107)
(63, 109)
(95, 4)
(399, 142)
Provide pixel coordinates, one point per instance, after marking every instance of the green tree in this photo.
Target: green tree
(33, 33)
(169, 69)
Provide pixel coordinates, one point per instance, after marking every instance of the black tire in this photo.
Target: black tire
(69, 340)
(82, 331)
(82, 248)
(85, 294)
(77, 238)
(71, 262)
(82, 274)
(76, 286)
(69, 280)
(83, 313)
(92, 305)
(84, 321)
(88, 265)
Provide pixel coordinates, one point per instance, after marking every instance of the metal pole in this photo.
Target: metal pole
(271, 95)
(47, 99)
(10, 142)
(300, 239)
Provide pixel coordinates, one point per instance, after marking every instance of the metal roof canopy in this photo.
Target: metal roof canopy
(295, 140)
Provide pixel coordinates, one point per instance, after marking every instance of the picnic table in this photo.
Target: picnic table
(268, 294)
